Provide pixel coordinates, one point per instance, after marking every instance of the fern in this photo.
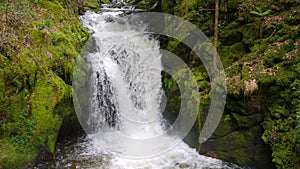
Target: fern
(260, 13)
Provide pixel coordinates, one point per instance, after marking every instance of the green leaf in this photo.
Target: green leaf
(266, 13)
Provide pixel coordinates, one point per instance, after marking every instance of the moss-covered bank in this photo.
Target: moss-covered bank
(259, 48)
(39, 43)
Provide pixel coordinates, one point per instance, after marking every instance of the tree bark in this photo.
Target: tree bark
(215, 53)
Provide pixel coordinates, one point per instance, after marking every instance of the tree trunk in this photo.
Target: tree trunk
(215, 52)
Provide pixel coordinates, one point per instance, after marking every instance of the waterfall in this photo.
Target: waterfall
(123, 115)
(126, 87)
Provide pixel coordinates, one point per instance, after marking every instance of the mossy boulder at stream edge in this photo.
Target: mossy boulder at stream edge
(40, 41)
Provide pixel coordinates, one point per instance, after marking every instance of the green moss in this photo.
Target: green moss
(2, 95)
(232, 38)
(231, 54)
(259, 42)
(248, 121)
(34, 73)
(274, 71)
(238, 147)
(49, 91)
(245, 72)
(14, 157)
(224, 127)
(16, 111)
(237, 139)
(105, 1)
(93, 4)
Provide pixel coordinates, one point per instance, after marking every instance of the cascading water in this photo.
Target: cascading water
(126, 86)
(125, 102)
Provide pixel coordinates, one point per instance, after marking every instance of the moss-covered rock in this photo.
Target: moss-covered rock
(243, 148)
(260, 50)
(37, 57)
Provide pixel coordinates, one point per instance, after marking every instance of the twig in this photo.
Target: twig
(270, 36)
(206, 9)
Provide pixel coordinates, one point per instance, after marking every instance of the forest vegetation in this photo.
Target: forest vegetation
(258, 43)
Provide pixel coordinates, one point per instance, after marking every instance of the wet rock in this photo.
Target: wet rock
(232, 38)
